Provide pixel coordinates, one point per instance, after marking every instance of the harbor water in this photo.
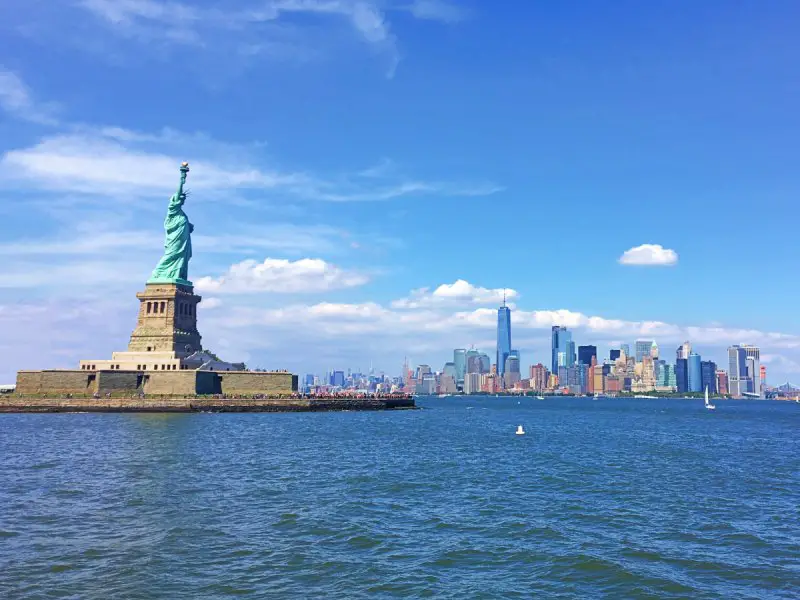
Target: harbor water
(619, 498)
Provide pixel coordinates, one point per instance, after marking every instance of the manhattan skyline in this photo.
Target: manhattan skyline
(368, 180)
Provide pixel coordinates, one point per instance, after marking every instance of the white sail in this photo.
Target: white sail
(709, 406)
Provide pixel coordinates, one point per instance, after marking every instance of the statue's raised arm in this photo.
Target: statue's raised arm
(184, 171)
(174, 265)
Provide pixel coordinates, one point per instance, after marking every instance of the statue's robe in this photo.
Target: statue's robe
(177, 244)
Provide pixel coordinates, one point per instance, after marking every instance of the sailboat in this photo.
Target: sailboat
(709, 406)
(520, 430)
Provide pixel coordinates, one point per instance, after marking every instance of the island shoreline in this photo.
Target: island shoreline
(190, 405)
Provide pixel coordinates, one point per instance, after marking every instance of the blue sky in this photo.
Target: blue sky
(351, 157)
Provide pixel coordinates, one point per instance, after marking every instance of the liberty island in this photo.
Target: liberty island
(165, 367)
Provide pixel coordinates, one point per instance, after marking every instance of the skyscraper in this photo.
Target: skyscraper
(626, 350)
(478, 362)
(460, 361)
(682, 375)
(503, 337)
(695, 373)
(449, 370)
(563, 348)
(337, 379)
(555, 332)
(512, 374)
(684, 350)
(585, 354)
(722, 382)
(744, 370)
(709, 375)
(754, 369)
(643, 349)
(614, 354)
(539, 376)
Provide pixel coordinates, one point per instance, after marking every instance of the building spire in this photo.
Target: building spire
(504, 296)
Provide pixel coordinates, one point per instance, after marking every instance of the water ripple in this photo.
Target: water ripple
(626, 499)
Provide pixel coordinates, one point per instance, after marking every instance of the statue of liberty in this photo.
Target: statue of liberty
(174, 265)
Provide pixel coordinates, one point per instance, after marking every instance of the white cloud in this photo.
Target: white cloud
(650, 255)
(281, 276)
(403, 317)
(458, 293)
(210, 303)
(17, 99)
(114, 161)
(179, 23)
(782, 363)
(264, 331)
(127, 11)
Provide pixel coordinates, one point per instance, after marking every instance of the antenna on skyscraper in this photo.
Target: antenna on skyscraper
(504, 296)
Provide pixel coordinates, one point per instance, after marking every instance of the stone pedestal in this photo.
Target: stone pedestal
(167, 320)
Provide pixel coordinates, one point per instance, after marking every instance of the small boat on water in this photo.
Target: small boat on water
(520, 430)
(708, 404)
(540, 397)
(597, 396)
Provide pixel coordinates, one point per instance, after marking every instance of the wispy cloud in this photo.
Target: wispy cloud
(188, 24)
(114, 161)
(649, 255)
(17, 99)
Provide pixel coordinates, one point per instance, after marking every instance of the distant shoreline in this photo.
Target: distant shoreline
(17, 404)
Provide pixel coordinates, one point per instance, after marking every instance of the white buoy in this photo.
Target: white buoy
(520, 430)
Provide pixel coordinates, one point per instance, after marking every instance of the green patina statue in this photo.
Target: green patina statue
(174, 265)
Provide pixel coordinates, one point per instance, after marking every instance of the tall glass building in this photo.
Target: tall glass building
(460, 361)
(503, 338)
(666, 375)
(449, 370)
(643, 349)
(695, 372)
(708, 369)
(563, 348)
(682, 375)
(512, 374)
(585, 354)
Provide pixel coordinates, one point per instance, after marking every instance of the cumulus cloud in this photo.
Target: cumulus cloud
(649, 255)
(281, 276)
(264, 330)
(210, 303)
(460, 292)
(400, 317)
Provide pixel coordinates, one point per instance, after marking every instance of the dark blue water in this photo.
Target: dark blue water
(610, 498)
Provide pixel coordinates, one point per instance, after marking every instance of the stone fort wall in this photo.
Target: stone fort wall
(167, 383)
(250, 382)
